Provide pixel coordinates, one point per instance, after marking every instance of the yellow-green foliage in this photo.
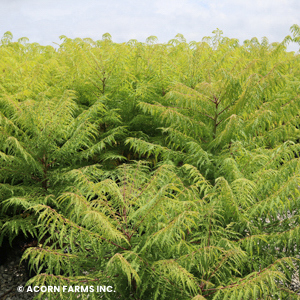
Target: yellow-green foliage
(203, 214)
(153, 236)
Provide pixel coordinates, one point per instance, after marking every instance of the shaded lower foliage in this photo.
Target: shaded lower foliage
(170, 234)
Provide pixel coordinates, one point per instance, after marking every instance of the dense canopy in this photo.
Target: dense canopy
(168, 171)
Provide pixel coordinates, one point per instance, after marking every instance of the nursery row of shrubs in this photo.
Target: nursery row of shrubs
(165, 171)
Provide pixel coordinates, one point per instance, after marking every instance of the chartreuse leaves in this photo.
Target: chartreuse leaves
(210, 210)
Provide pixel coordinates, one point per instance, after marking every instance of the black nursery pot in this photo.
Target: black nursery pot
(16, 249)
(4, 250)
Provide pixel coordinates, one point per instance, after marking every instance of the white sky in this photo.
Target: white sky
(43, 21)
